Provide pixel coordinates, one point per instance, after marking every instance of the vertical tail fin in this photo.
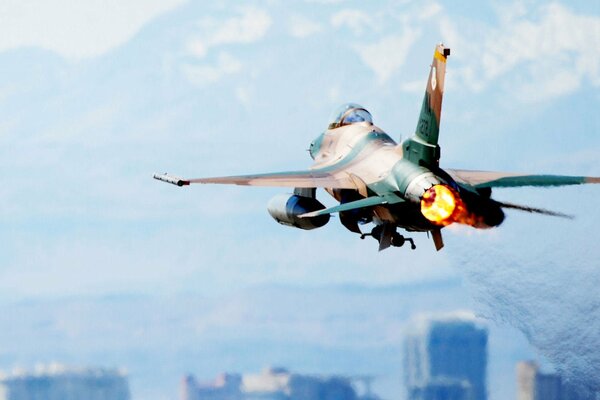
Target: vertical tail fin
(423, 148)
(428, 127)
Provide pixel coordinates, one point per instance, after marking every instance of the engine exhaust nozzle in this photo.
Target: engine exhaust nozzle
(439, 203)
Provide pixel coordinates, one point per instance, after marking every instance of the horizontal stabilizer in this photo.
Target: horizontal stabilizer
(353, 205)
(534, 210)
(490, 179)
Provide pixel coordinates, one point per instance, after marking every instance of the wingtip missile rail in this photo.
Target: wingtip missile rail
(174, 180)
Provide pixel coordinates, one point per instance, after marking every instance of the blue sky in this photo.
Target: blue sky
(95, 97)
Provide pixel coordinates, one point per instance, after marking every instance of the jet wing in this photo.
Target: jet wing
(296, 179)
(489, 179)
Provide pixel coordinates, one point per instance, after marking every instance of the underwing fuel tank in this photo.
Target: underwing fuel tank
(287, 208)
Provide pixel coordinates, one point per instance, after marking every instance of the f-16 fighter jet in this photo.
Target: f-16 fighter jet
(391, 185)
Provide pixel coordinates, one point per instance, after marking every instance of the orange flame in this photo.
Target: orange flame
(438, 204)
(443, 206)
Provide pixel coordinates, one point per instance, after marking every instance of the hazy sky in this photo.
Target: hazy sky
(96, 96)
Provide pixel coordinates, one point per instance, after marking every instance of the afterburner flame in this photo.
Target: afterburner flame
(438, 204)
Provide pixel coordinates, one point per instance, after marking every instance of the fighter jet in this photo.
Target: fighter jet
(391, 185)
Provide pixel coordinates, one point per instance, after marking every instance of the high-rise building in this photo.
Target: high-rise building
(532, 384)
(59, 383)
(224, 387)
(271, 384)
(445, 357)
(442, 389)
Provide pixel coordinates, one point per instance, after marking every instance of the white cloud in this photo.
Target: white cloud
(205, 74)
(556, 82)
(197, 48)
(243, 95)
(355, 20)
(334, 94)
(301, 27)
(523, 40)
(413, 86)
(75, 29)
(429, 11)
(249, 27)
(387, 55)
(551, 49)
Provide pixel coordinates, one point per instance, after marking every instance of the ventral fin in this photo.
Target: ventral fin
(436, 234)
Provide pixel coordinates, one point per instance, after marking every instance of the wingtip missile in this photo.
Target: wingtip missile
(174, 180)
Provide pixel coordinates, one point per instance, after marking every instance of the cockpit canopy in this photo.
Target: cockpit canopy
(349, 113)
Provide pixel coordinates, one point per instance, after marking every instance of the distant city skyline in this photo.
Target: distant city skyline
(445, 357)
(273, 383)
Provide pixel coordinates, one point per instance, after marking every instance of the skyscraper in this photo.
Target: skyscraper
(445, 357)
(532, 384)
